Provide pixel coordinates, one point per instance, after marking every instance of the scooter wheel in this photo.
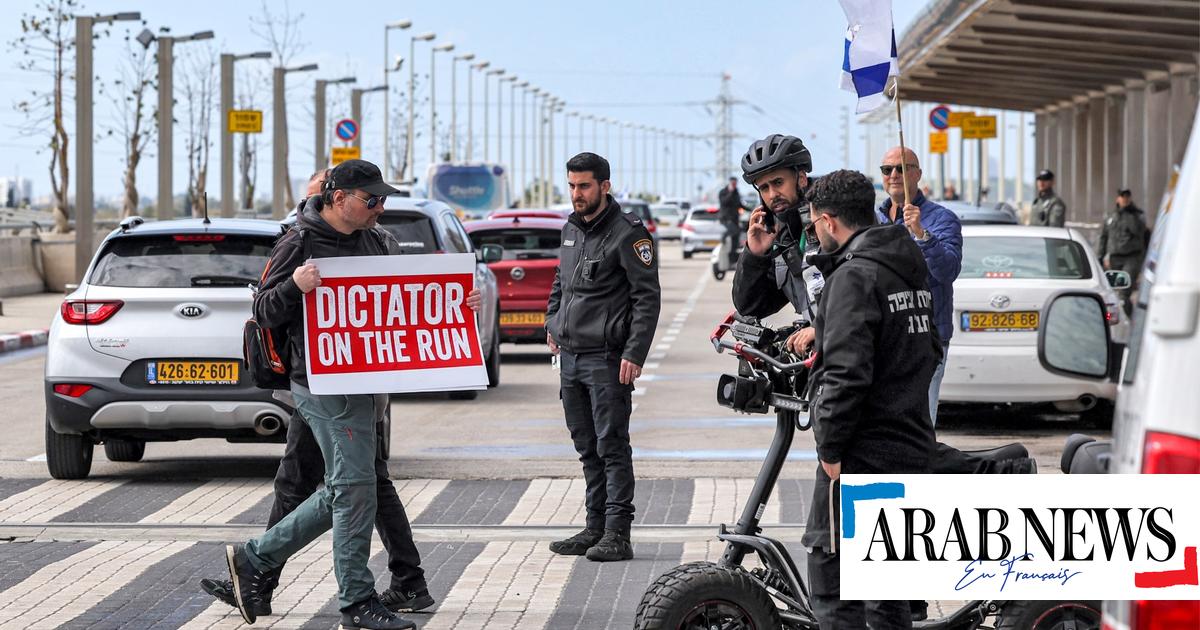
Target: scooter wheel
(703, 595)
(718, 274)
(1049, 615)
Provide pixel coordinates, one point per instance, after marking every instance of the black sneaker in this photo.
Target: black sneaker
(398, 600)
(370, 614)
(223, 591)
(578, 544)
(248, 583)
(919, 609)
(612, 547)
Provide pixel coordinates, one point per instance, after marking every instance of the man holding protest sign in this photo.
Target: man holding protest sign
(601, 319)
(338, 224)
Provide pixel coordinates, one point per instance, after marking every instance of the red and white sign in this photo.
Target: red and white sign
(393, 324)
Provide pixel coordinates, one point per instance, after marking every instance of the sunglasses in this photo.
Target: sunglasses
(371, 201)
(887, 169)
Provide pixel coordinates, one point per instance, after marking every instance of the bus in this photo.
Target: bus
(473, 190)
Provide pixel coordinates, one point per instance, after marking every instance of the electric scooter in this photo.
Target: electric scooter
(721, 260)
(724, 594)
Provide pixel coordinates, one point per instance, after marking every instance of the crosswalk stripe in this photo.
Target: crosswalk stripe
(509, 585)
(77, 583)
(43, 502)
(550, 502)
(216, 501)
(722, 500)
(308, 580)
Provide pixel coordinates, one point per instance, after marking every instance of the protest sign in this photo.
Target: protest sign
(392, 324)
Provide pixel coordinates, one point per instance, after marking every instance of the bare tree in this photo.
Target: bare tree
(199, 88)
(133, 115)
(281, 32)
(250, 93)
(45, 41)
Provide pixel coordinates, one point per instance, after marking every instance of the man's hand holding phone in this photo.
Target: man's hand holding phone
(762, 231)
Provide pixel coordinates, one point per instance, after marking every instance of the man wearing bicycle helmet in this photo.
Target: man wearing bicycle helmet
(771, 271)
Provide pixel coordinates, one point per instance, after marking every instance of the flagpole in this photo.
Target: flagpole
(903, 151)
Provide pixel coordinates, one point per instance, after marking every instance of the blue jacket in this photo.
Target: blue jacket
(943, 255)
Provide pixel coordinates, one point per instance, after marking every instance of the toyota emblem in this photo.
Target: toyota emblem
(1000, 301)
(517, 273)
(191, 311)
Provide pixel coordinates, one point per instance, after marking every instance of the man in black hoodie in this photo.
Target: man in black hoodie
(876, 352)
(339, 223)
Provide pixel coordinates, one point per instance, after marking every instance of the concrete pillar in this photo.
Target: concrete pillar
(1184, 99)
(1133, 172)
(1114, 140)
(1062, 163)
(1157, 141)
(1077, 183)
(1093, 181)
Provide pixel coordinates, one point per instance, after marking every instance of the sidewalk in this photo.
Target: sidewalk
(26, 320)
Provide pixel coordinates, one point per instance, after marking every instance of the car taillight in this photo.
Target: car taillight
(89, 311)
(1167, 453)
(1165, 615)
(199, 238)
(651, 227)
(72, 390)
(688, 229)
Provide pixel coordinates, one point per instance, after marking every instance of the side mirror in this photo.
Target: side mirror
(1118, 279)
(1074, 338)
(490, 253)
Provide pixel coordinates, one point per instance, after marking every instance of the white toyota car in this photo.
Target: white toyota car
(1008, 272)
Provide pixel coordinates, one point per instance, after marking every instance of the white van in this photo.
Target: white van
(1156, 428)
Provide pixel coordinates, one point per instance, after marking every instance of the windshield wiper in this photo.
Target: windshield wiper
(222, 281)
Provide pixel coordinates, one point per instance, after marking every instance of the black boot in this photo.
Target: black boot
(613, 546)
(578, 544)
(223, 591)
(370, 614)
(400, 600)
(248, 583)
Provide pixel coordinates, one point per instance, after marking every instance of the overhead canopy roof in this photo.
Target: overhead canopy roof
(1035, 54)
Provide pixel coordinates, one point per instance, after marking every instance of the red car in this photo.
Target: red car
(525, 274)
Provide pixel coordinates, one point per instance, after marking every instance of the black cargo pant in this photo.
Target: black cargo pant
(824, 582)
(302, 469)
(597, 407)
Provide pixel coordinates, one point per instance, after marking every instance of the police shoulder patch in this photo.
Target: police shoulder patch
(645, 251)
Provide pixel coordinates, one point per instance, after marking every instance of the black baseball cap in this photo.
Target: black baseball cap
(1046, 174)
(358, 175)
(1124, 192)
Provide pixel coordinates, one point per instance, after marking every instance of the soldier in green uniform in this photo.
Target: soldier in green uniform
(1123, 241)
(1048, 208)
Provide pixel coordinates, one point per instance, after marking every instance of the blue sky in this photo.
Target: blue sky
(635, 61)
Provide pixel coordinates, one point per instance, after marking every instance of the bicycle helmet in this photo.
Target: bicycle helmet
(775, 151)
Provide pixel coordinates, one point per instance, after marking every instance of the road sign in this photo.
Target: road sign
(341, 154)
(346, 129)
(244, 121)
(954, 119)
(939, 117)
(979, 127)
(938, 141)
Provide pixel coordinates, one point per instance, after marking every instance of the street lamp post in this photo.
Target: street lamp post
(512, 79)
(166, 118)
(387, 112)
(529, 160)
(227, 61)
(471, 106)
(512, 126)
(487, 117)
(279, 143)
(446, 47)
(454, 102)
(412, 86)
(321, 124)
(85, 237)
(356, 95)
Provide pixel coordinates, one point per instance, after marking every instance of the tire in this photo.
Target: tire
(124, 450)
(1070, 615)
(492, 363)
(687, 255)
(68, 456)
(466, 394)
(718, 274)
(702, 595)
(1100, 416)
(383, 432)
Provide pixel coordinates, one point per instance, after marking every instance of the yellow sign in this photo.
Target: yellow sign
(245, 121)
(939, 141)
(341, 154)
(979, 127)
(955, 118)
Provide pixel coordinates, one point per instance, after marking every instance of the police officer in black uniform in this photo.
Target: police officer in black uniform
(600, 321)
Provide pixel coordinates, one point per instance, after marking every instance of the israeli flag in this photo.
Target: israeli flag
(870, 58)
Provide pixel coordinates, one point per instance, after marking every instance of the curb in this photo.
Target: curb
(24, 339)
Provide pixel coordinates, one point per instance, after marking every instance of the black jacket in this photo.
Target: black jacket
(1124, 233)
(606, 294)
(877, 349)
(765, 284)
(729, 203)
(278, 301)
